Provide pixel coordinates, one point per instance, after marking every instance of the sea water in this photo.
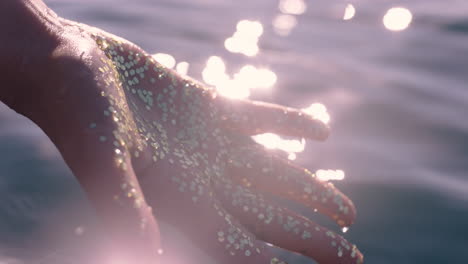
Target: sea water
(398, 102)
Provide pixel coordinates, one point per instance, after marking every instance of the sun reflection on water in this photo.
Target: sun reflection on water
(249, 78)
(397, 19)
(182, 67)
(215, 71)
(293, 7)
(350, 12)
(294, 146)
(245, 39)
(283, 24)
(241, 83)
(165, 59)
(255, 78)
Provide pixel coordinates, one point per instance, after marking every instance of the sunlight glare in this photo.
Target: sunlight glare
(245, 39)
(273, 141)
(182, 67)
(397, 19)
(240, 85)
(251, 28)
(350, 12)
(233, 89)
(292, 156)
(165, 59)
(215, 71)
(318, 111)
(268, 140)
(330, 175)
(254, 78)
(283, 24)
(293, 7)
(265, 78)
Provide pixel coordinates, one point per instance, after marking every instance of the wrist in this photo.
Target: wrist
(30, 31)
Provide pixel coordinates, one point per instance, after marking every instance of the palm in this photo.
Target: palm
(194, 158)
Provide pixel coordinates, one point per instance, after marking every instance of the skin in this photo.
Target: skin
(147, 144)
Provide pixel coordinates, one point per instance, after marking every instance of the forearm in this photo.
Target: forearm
(26, 13)
(28, 25)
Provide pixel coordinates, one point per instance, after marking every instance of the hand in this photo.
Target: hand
(139, 136)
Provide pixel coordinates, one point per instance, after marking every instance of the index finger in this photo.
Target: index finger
(253, 117)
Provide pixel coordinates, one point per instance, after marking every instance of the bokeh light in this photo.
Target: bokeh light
(349, 12)
(250, 28)
(233, 88)
(330, 175)
(283, 24)
(293, 7)
(294, 146)
(214, 71)
(318, 111)
(245, 39)
(273, 141)
(165, 59)
(182, 67)
(397, 19)
(254, 78)
(241, 83)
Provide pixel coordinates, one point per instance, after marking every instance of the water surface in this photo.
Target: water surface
(398, 102)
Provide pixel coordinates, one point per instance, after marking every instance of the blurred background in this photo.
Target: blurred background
(393, 76)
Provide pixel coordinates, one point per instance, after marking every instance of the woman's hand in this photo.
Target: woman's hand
(147, 143)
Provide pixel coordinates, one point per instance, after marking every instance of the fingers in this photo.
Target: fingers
(250, 118)
(255, 168)
(186, 202)
(286, 229)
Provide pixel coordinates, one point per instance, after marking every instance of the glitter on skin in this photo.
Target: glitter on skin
(139, 136)
(208, 160)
